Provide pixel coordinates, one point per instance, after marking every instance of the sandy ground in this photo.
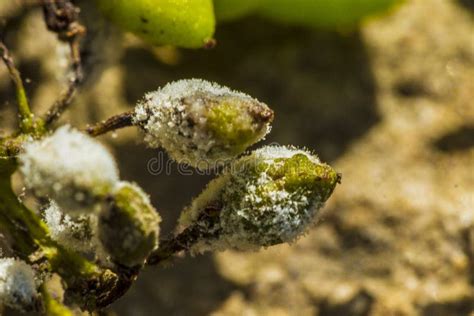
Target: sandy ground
(390, 106)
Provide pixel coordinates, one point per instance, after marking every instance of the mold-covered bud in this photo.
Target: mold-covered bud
(69, 167)
(200, 123)
(268, 197)
(74, 233)
(129, 226)
(17, 285)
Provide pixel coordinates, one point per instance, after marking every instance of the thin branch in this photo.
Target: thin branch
(172, 246)
(61, 17)
(203, 229)
(61, 105)
(111, 124)
(26, 116)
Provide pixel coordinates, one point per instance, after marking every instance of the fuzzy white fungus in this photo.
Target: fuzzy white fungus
(17, 284)
(69, 167)
(76, 233)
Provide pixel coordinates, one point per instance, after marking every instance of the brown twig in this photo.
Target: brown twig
(111, 124)
(62, 18)
(204, 229)
(171, 246)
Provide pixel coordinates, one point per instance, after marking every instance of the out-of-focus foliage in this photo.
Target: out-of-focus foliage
(233, 9)
(326, 14)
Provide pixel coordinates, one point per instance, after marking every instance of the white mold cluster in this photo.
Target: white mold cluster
(69, 167)
(77, 233)
(17, 284)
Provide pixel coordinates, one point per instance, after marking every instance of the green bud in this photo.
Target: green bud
(233, 9)
(200, 123)
(328, 14)
(129, 226)
(269, 197)
(185, 23)
(69, 167)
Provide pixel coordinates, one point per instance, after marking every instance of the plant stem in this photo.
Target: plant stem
(52, 306)
(26, 116)
(203, 230)
(169, 247)
(115, 122)
(61, 105)
(62, 18)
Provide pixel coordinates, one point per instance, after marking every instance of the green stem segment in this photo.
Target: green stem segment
(53, 307)
(28, 124)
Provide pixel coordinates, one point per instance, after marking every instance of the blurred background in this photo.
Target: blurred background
(389, 105)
